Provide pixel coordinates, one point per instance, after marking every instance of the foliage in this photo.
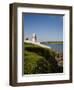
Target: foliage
(39, 60)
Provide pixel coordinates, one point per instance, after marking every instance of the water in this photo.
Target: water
(56, 47)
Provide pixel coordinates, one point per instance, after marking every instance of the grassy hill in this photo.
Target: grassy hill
(38, 60)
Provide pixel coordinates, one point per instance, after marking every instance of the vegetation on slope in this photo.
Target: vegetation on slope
(39, 60)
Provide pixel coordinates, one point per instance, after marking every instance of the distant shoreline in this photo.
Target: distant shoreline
(53, 42)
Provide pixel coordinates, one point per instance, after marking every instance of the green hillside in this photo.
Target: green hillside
(38, 60)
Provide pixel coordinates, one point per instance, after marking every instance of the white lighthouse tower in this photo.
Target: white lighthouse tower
(34, 38)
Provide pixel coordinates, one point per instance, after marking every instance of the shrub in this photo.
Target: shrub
(39, 60)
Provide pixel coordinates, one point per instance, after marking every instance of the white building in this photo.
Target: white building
(34, 37)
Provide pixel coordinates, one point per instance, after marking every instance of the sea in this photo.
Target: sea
(56, 47)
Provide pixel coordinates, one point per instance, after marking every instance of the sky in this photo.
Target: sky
(46, 27)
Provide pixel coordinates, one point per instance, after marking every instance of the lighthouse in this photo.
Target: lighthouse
(34, 37)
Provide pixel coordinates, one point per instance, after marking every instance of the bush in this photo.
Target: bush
(34, 64)
(30, 62)
(39, 60)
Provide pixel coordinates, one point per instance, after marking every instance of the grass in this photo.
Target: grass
(39, 60)
(39, 50)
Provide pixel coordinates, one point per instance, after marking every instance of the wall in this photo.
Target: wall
(4, 46)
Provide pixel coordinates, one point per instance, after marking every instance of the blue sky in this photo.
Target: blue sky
(46, 27)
